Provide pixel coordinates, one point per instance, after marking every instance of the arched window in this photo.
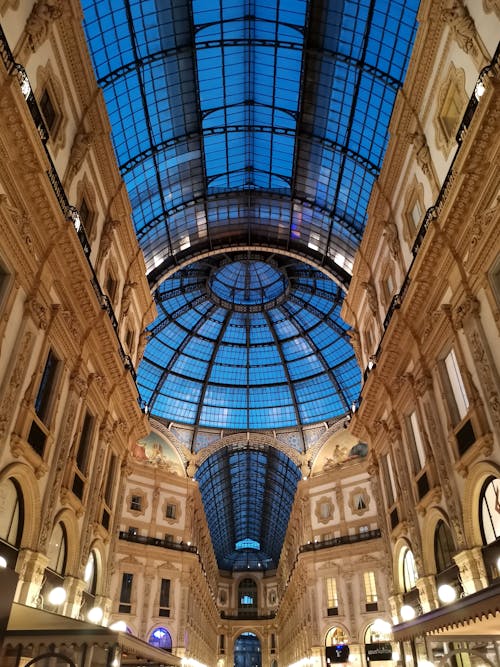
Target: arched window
(247, 597)
(335, 636)
(57, 549)
(444, 547)
(90, 574)
(11, 512)
(489, 510)
(160, 638)
(410, 574)
(247, 650)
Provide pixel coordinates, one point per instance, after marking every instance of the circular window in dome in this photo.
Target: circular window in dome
(248, 284)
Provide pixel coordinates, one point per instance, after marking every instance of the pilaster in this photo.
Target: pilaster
(395, 604)
(428, 593)
(472, 571)
(31, 568)
(74, 589)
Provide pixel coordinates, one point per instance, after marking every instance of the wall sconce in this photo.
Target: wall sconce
(95, 615)
(447, 593)
(3, 562)
(407, 612)
(57, 596)
(118, 626)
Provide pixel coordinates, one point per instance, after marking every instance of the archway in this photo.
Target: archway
(247, 651)
(60, 659)
(161, 638)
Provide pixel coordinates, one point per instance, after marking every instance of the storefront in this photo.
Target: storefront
(465, 633)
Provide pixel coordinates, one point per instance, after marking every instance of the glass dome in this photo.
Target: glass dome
(249, 341)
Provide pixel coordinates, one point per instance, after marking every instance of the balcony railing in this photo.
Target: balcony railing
(70, 213)
(343, 539)
(156, 542)
(432, 212)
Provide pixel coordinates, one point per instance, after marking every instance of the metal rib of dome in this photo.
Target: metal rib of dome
(249, 342)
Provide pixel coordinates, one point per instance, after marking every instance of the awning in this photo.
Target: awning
(37, 627)
(477, 614)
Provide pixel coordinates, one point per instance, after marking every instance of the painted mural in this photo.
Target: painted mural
(155, 450)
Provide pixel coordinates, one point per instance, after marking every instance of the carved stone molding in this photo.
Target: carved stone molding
(469, 307)
(371, 295)
(462, 26)
(492, 6)
(39, 23)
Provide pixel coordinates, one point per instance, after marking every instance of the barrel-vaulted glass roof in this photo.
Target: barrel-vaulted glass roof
(249, 134)
(259, 486)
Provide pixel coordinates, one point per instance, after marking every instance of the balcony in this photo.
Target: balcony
(156, 542)
(343, 539)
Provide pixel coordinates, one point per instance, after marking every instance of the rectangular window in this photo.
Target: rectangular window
(165, 593)
(389, 480)
(370, 587)
(222, 643)
(108, 494)
(84, 212)
(48, 111)
(457, 396)
(416, 214)
(171, 511)
(331, 593)
(370, 591)
(84, 445)
(416, 443)
(136, 503)
(126, 593)
(45, 390)
(4, 283)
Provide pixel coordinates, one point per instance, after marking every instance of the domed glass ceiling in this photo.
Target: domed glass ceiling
(249, 341)
(249, 134)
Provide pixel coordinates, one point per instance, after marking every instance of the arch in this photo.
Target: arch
(57, 549)
(97, 548)
(472, 493)
(11, 511)
(434, 515)
(444, 546)
(402, 548)
(52, 654)
(397, 562)
(371, 635)
(247, 650)
(68, 519)
(256, 439)
(328, 267)
(28, 484)
(160, 637)
(336, 634)
(489, 510)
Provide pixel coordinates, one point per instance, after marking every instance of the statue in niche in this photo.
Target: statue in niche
(371, 295)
